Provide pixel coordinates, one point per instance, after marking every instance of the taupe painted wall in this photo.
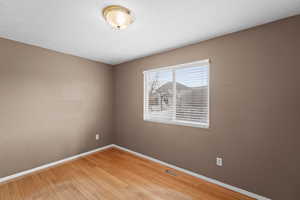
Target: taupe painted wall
(255, 111)
(51, 106)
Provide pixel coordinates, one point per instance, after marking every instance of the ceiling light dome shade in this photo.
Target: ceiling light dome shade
(118, 17)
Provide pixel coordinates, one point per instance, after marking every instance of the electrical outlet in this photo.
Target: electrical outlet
(97, 136)
(219, 162)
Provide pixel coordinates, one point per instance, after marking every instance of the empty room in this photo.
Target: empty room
(149, 100)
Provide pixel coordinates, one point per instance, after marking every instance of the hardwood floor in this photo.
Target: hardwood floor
(113, 174)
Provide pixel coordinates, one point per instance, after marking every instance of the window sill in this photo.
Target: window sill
(179, 123)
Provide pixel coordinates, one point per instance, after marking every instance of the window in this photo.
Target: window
(178, 94)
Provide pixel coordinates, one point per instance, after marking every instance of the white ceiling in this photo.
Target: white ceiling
(76, 26)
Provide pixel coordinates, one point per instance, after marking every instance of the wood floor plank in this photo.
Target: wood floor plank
(113, 174)
(4, 192)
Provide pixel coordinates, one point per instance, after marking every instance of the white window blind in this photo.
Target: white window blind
(178, 94)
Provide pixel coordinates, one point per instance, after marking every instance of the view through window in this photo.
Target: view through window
(178, 95)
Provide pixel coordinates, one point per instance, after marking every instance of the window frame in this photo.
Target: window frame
(203, 63)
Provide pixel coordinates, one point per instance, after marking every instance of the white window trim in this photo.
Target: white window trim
(178, 122)
(181, 123)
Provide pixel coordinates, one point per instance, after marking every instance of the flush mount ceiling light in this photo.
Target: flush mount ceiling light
(117, 16)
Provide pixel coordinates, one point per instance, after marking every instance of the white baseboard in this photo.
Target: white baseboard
(236, 189)
(233, 188)
(7, 178)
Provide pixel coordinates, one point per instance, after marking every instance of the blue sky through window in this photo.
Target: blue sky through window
(193, 76)
(190, 76)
